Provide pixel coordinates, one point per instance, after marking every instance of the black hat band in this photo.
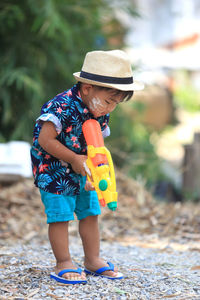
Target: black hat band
(106, 79)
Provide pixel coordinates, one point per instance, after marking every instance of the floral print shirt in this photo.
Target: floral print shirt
(68, 113)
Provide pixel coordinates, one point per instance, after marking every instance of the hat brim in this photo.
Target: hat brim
(135, 86)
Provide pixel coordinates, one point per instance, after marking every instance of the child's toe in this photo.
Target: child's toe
(110, 273)
(83, 275)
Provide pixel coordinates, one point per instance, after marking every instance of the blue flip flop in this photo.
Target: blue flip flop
(99, 272)
(58, 277)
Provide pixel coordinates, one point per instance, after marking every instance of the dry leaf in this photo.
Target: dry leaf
(195, 268)
(34, 292)
(172, 295)
(54, 296)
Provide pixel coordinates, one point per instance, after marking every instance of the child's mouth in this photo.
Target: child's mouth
(99, 114)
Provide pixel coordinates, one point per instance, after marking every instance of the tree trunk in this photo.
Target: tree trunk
(191, 169)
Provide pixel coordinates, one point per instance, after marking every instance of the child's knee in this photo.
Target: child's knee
(90, 219)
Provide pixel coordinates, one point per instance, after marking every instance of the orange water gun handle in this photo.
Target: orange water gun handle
(93, 136)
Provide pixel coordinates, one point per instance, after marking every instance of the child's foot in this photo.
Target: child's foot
(100, 263)
(68, 275)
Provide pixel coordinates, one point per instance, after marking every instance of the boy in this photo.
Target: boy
(59, 152)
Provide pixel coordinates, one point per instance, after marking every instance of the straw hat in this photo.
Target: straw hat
(109, 69)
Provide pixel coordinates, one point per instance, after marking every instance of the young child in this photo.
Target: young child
(58, 154)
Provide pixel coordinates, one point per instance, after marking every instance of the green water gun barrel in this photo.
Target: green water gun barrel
(103, 185)
(112, 205)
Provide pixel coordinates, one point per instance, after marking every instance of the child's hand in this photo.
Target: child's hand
(89, 186)
(78, 164)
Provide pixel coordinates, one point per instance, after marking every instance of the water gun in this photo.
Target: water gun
(99, 165)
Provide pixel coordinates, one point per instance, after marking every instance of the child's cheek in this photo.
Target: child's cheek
(96, 105)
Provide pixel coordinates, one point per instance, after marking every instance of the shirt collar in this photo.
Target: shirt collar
(81, 106)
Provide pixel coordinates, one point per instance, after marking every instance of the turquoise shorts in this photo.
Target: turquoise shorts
(61, 208)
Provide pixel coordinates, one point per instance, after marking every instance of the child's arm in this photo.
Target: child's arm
(47, 140)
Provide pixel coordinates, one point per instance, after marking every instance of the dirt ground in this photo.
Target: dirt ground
(139, 219)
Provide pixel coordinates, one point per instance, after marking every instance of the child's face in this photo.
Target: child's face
(102, 102)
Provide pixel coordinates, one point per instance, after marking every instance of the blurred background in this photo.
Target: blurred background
(155, 137)
(154, 141)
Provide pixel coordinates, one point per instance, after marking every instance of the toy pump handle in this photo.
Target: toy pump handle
(93, 136)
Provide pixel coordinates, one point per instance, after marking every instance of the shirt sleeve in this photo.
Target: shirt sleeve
(104, 125)
(57, 112)
(51, 118)
(106, 132)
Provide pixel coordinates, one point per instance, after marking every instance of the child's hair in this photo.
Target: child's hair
(125, 95)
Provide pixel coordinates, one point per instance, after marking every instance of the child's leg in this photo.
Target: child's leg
(89, 232)
(58, 236)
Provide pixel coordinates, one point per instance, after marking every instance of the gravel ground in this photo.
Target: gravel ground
(155, 245)
(148, 273)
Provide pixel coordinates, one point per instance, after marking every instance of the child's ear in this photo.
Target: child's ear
(86, 88)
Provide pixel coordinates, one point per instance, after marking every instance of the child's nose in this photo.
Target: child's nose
(111, 107)
(108, 111)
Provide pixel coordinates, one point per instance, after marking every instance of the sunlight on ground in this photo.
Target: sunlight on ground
(161, 244)
(170, 144)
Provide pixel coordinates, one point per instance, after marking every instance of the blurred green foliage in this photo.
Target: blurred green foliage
(185, 94)
(131, 146)
(187, 98)
(42, 44)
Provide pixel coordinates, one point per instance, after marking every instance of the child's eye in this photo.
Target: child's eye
(107, 102)
(110, 102)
